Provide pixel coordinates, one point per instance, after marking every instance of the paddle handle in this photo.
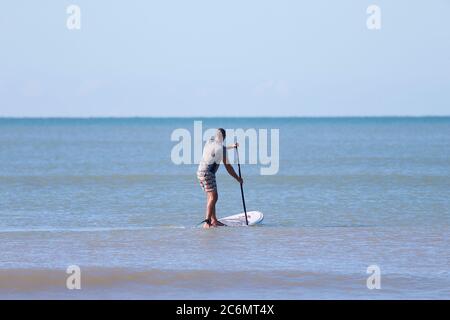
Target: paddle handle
(242, 187)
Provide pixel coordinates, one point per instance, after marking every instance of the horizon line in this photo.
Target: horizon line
(226, 117)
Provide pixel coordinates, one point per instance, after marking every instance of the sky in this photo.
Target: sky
(224, 58)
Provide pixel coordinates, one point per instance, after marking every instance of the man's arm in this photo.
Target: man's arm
(230, 169)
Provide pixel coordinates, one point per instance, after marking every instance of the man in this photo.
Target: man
(214, 153)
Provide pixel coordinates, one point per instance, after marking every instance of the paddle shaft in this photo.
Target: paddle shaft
(242, 188)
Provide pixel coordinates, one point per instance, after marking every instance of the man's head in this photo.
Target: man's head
(221, 135)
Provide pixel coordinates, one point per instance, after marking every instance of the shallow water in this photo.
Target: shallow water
(103, 194)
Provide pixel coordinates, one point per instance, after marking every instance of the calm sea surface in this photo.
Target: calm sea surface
(104, 194)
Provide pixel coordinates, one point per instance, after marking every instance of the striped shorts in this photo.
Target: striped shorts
(207, 180)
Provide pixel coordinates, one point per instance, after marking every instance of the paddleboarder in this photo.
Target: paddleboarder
(214, 153)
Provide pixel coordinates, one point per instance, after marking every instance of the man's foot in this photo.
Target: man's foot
(217, 223)
(207, 224)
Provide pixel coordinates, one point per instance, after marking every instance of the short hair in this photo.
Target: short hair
(222, 130)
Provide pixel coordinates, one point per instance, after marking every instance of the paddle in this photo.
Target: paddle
(242, 188)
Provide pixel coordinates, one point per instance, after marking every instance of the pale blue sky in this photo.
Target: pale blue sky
(224, 58)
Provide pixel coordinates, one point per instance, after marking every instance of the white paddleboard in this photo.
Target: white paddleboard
(238, 220)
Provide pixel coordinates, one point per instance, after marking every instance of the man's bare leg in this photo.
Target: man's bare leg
(214, 221)
(211, 199)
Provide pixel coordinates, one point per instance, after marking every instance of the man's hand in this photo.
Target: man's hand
(232, 146)
(240, 180)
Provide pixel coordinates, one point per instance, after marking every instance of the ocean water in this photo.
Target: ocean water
(104, 194)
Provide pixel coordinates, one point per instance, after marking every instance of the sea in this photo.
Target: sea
(97, 208)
